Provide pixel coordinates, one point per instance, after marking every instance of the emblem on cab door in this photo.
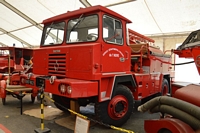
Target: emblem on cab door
(122, 59)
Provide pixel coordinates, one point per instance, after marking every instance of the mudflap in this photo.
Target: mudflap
(3, 89)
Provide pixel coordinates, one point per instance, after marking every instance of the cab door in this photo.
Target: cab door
(115, 53)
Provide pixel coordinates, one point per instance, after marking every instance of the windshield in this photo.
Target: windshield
(82, 29)
(53, 34)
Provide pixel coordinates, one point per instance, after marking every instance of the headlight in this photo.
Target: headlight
(69, 89)
(62, 88)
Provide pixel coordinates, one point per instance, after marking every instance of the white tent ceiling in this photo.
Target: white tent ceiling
(20, 19)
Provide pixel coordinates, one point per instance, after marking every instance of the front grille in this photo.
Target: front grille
(57, 65)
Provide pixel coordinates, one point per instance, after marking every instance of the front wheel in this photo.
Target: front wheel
(117, 110)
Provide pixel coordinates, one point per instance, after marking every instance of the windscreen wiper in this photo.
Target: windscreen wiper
(77, 23)
(48, 31)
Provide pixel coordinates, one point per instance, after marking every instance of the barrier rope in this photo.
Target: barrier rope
(87, 118)
(19, 95)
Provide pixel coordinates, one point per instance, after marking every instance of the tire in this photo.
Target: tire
(4, 101)
(32, 99)
(62, 103)
(165, 88)
(117, 110)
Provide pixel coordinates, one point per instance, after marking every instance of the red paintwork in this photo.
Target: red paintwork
(3, 88)
(172, 124)
(189, 93)
(85, 91)
(193, 52)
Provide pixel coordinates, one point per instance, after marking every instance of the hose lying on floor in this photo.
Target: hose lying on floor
(182, 110)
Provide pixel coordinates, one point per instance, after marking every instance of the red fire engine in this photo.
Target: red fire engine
(89, 56)
(13, 62)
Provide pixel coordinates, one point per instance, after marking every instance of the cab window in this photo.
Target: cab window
(110, 26)
(53, 34)
(82, 29)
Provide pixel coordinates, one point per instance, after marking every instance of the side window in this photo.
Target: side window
(109, 30)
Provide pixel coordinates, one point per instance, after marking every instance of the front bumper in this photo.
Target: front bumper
(79, 88)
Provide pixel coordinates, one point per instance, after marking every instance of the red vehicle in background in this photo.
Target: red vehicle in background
(13, 62)
(181, 112)
(89, 56)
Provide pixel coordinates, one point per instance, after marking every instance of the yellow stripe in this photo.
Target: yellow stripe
(42, 106)
(42, 116)
(42, 126)
(9, 90)
(121, 129)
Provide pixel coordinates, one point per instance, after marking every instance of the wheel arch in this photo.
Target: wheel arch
(108, 84)
(126, 80)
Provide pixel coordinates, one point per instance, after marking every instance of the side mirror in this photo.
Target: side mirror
(118, 33)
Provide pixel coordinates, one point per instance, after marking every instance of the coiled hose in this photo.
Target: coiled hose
(182, 110)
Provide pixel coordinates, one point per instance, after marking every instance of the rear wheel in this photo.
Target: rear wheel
(62, 103)
(165, 87)
(117, 110)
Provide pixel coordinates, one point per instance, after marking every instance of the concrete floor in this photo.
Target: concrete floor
(11, 118)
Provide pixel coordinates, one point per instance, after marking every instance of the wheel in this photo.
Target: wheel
(117, 110)
(62, 103)
(32, 99)
(165, 87)
(92, 37)
(4, 101)
(3, 91)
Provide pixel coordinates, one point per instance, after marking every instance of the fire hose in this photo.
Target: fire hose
(182, 110)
